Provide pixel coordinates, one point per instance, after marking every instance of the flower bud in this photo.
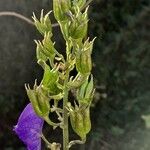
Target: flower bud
(80, 128)
(83, 62)
(80, 120)
(45, 49)
(44, 24)
(50, 79)
(60, 8)
(40, 55)
(39, 100)
(87, 120)
(83, 57)
(78, 24)
(77, 81)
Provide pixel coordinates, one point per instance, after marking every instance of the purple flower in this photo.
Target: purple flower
(29, 128)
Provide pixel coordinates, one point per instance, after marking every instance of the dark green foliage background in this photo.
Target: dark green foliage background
(121, 69)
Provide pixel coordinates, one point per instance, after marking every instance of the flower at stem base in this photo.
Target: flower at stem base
(29, 128)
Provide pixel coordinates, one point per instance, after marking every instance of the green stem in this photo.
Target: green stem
(77, 142)
(51, 123)
(45, 140)
(65, 115)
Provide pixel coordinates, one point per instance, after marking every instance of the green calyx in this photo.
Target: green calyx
(83, 57)
(50, 78)
(80, 120)
(45, 49)
(86, 92)
(44, 24)
(61, 8)
(39, 100)
(78, 24)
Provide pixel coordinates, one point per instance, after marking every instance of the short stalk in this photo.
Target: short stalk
(76, 142)
(45, 140)
(51, 123)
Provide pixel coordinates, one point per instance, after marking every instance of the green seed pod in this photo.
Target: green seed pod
(39, 100)
(43, 101)
(80, 129)
(72, 115)
(77, 121)
(44, 24)
(85, 62)
(78, 24)
(78, 31)
(87, 120)
(83, 57)
(73, 119)
(60, 8)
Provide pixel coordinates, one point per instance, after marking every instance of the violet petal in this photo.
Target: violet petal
(29, 128)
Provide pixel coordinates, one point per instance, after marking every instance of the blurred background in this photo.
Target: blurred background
(121, 70)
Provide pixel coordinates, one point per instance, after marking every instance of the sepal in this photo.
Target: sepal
(77, 81)
(60, 8)
(44, 24)
(80, 119)
(45, 49)
(86, 92)
(83, 57)
(50, 78)
(39, 100)
(78, 24)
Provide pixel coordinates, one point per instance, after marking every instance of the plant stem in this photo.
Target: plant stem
(77, 142)
(65, 115)
(45, 140)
